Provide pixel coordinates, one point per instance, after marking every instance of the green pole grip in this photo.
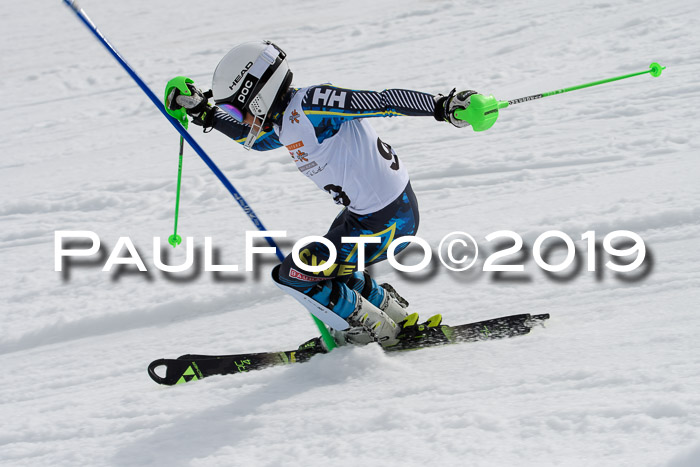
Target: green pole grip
(482, 111)
(180, 83)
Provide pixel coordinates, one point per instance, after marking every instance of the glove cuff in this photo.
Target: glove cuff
(205, 118)
(441, 113)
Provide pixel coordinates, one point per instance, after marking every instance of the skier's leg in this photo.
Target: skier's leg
(330, 292)
(342, 308)
(337, 305)
(399, 218)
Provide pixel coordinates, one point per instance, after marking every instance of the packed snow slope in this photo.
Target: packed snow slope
(612, 380)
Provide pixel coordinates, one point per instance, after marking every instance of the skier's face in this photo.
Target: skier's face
(248, 120)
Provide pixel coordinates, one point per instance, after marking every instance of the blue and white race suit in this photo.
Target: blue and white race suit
(326, 131)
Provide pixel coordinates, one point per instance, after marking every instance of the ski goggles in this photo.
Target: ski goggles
(256, 127)
(233, 111)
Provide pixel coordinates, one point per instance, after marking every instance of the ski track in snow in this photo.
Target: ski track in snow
(612, 380)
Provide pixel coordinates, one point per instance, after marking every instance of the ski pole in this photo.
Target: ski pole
(483, 110)
(181, 116)
(325, 334)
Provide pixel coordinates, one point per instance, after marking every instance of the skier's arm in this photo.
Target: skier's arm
(330, 102)
(238, 132)
(207, 116)
(327, 107)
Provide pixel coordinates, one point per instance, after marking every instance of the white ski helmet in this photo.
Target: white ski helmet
(251, 78)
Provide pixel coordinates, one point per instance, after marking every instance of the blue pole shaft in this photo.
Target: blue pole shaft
(191, 141)
(159, 105)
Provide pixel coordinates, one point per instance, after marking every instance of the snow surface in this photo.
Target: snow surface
(613, 380)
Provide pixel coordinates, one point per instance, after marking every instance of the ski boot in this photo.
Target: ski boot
(375, 323)
(394, 294)
(356, 335)
(393, 305)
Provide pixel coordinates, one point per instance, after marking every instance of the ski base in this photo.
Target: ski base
(192, 367)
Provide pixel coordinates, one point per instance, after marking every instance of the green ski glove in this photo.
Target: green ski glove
(183, 97)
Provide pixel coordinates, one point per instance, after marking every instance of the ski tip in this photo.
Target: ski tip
(538, 319)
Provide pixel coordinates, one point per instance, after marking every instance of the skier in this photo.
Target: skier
(326, 131)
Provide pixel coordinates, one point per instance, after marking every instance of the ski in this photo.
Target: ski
(193, 367)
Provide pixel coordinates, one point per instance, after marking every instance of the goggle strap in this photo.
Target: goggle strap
(255, 130)
(265, 60)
